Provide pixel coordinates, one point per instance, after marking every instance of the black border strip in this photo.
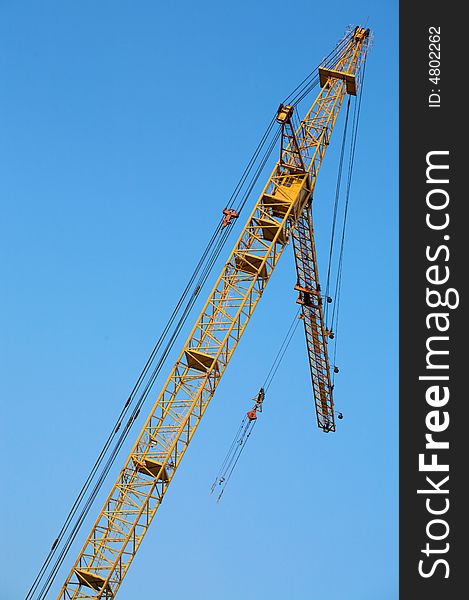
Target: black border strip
(433, 255)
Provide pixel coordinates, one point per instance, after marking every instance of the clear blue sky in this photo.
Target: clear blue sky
(124, 128)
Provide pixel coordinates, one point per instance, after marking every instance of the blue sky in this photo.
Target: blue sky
(125, 126)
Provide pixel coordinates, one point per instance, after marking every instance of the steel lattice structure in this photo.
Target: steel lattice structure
(317, 335)
(282, 207)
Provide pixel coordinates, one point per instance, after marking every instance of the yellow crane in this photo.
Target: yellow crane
(282, 212)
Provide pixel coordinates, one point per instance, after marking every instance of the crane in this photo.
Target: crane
(281, 213)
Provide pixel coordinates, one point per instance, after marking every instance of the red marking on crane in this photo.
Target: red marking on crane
(252, 415)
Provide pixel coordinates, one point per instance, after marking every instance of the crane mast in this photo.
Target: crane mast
(148, 470)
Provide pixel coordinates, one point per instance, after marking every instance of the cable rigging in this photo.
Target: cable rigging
(204, 267)
(336, 204)
(338, 284)
(165, 343)
(250, 418)
(203, 270)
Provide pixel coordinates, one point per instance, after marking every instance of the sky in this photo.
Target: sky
(124, 129)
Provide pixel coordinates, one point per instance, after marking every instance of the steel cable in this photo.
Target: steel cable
(202, 270)
(335, 312)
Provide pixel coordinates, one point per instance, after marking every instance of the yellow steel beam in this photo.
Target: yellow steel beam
(136, 495)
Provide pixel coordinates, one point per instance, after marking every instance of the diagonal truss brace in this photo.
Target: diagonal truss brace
(317, 335)
(307, 284)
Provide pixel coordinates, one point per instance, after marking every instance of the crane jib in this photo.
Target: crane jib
(280, 212)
